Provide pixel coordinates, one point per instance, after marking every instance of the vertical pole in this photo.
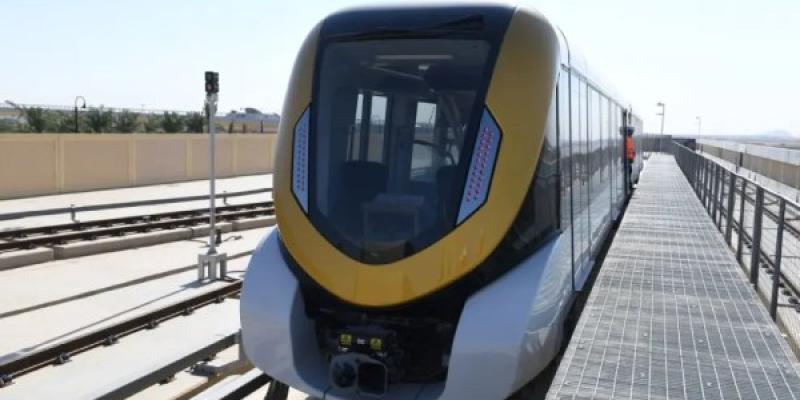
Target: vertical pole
(720, 194)
(715, 194)
(696, 173)
(76, 118)
(755, 251)
(212, 209)
(729, 210)
(703, 179)
(663, 112)
(740, 233)
(710, 185)
(711, 173)
(776, 272)
(706, 184)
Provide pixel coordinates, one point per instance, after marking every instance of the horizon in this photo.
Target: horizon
(704, 60)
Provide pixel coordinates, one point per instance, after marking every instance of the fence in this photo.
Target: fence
(760, 225)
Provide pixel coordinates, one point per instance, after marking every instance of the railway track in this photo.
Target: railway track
(27, 238)
(13, 368)
(787, 286)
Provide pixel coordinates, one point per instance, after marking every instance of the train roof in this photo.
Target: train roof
(575, 59)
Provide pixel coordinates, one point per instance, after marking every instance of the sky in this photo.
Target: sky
(735, 64)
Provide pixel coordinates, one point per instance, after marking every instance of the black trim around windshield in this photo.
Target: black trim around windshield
(405, 23)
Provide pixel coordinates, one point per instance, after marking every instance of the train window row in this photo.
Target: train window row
(591, 151)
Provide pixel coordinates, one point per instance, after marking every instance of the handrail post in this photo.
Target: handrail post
(719, 196)
(776, 271)
(741, 221)
(712, 198)
(705, 182)
(696, 166)
(755, 251)
(715, 194)
(710, 185)
(729, 210)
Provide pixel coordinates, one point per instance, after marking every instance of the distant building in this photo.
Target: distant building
(7, 112)
(248, 120)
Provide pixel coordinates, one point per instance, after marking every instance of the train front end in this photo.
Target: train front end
(409, 141)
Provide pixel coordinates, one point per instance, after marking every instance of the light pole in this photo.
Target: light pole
(699, 124)
(83, 105)
(663, 111)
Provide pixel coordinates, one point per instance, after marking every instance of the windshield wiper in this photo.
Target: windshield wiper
(468, 23)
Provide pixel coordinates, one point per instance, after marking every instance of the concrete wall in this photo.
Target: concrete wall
(38, 164)
(779, 164)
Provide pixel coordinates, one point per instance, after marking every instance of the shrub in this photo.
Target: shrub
(172, 122)
(36, 119)
(99, 120)
(126, 122)
(62, 122)
(152, 123)
(195, 122)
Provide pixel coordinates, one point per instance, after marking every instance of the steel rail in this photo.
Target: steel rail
(121, 226)
(62, 352)
(78, 226)
(793, 230)
(789, 227)
(763, 257)
(786, 283)
(138, 203)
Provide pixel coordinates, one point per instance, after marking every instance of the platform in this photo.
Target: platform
(130, 194)
(671, 314)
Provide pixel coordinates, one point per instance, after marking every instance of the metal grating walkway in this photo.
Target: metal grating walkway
(671, 315)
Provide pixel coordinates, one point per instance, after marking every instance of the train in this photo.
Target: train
(445, 177)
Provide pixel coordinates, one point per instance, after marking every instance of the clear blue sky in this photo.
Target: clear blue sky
(734, 63)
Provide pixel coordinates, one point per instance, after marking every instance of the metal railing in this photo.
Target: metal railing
(72, 210)
(754, 221)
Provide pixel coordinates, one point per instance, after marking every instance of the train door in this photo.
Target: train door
(617, 150)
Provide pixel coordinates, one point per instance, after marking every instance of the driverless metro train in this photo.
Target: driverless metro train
(444, 178)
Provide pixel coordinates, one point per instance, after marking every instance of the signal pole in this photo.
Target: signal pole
(663, 111)
(211, 260)
(699, 124)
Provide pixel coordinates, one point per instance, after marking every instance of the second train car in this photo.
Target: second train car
(444, 178)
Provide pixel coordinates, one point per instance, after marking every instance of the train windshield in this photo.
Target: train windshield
(391, 124)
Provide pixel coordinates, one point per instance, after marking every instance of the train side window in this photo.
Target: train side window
(365, 141)
(354, 138)
(377, 128)
(426, 157)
